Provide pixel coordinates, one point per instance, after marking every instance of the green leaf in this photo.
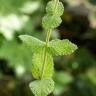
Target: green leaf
(35, 44)
(42, 87)
(61, 47)
(39, 64)
(51, 21)
(51, 6)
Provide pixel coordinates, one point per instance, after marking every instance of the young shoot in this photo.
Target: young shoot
(43, 52)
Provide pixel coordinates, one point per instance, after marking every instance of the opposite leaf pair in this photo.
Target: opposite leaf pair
(43, 66)
(55, 48)
(52, 18)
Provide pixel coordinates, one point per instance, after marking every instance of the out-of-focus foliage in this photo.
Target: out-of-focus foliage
(17, 55)
(14, 20)
(18, 6)
(11, 23)
(62, 80)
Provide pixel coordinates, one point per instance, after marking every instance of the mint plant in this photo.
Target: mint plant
(43, 52)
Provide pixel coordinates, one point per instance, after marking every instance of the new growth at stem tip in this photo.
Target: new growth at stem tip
(43, 52)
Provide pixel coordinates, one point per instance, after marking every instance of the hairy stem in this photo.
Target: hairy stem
(48, 37)
(45, 54)
(49, 31)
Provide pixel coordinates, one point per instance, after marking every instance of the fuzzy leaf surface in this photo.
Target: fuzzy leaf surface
(61, 47)
(39, 63)
(35, 44)
(51, 21)
(42, 87)
(51, 6)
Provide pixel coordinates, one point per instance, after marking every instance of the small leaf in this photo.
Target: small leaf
(42, 87)
(61, 47)
(51, 6)
(51, 21)
(39, 64)
(35, 44)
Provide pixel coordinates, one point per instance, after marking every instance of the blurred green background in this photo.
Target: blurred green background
(75, 75)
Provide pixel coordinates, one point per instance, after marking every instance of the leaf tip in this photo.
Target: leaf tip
(21, 36)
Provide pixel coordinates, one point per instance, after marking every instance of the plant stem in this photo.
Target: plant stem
(56, 4)
(49, 31)
(45, 54)
(48, 37)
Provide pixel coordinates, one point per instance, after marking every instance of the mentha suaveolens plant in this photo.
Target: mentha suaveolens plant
(43, 52)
